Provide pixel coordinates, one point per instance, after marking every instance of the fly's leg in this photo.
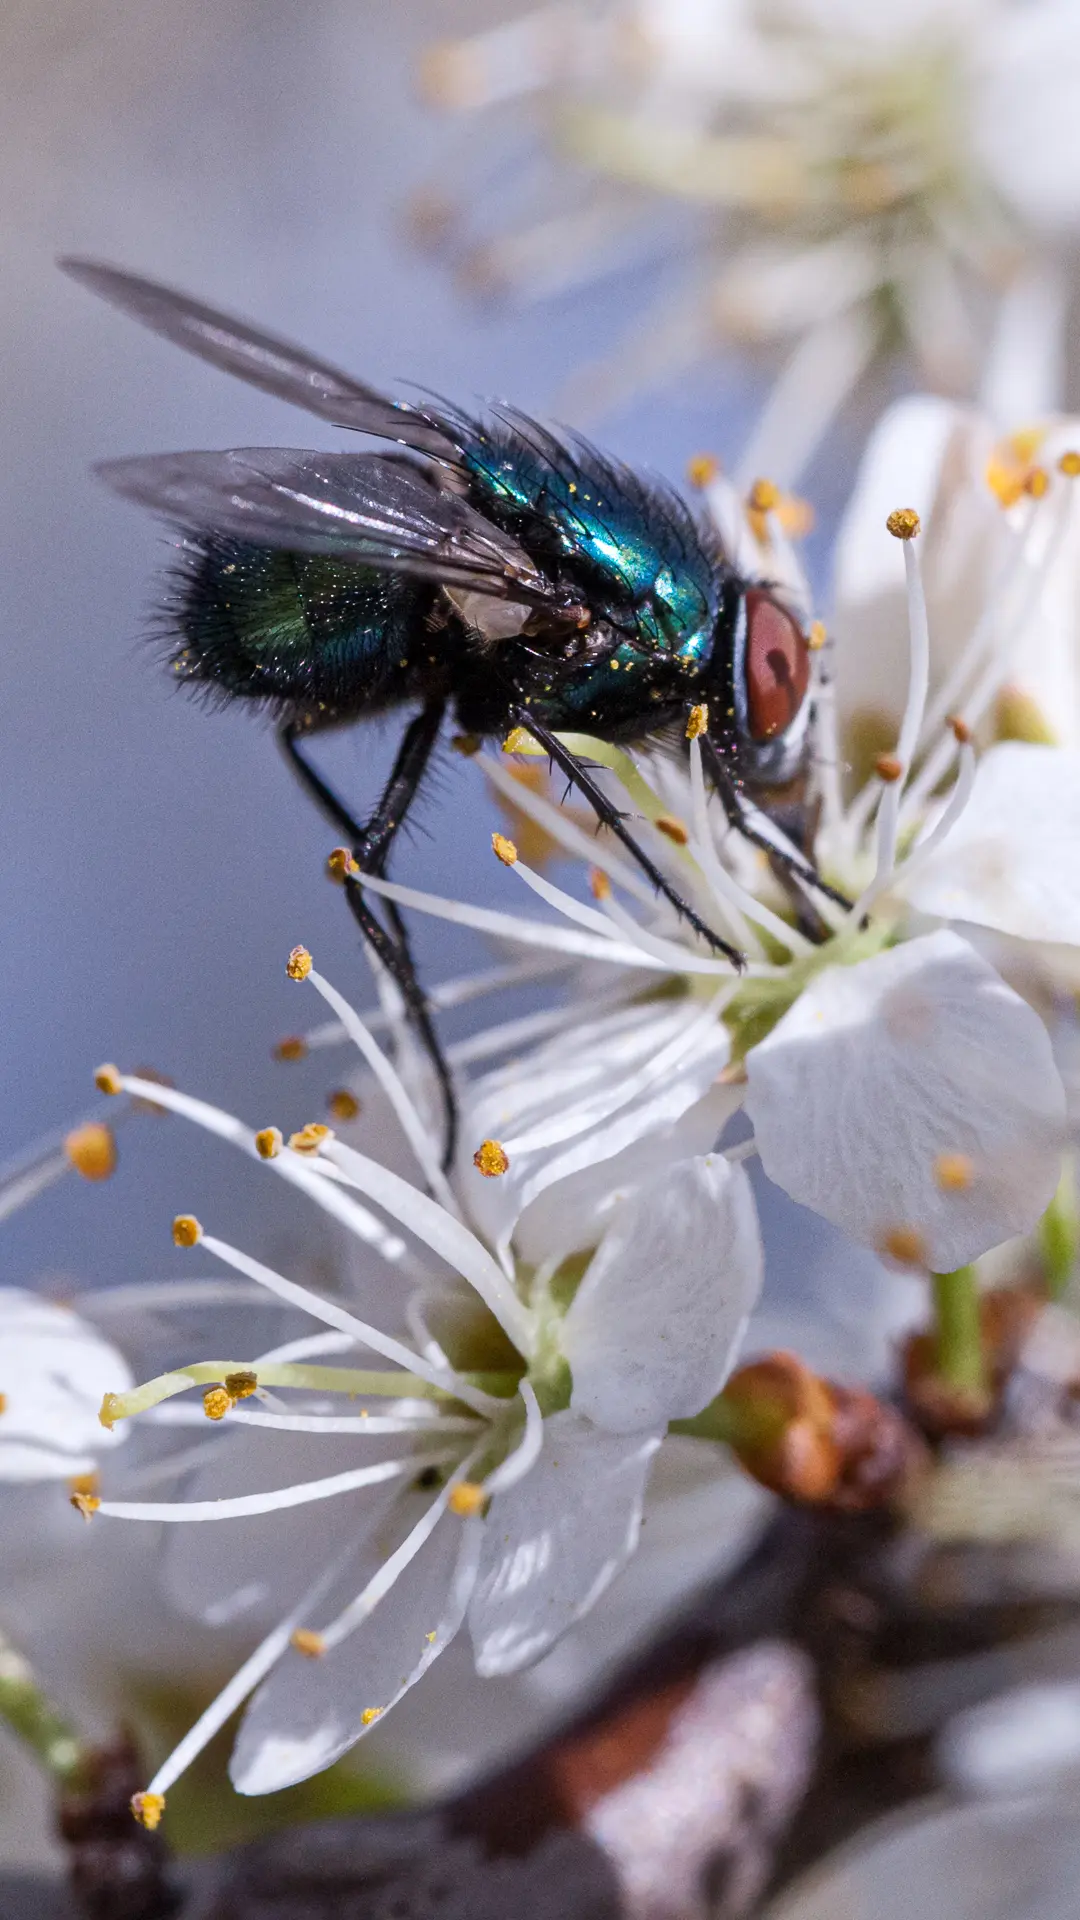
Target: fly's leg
(370, 845)
(609, 816)
(797, 864)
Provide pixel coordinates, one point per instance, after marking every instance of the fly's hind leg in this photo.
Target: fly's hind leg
(370, 844)
(609, 816)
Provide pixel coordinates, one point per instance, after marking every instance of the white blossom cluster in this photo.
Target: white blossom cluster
(583, 1276)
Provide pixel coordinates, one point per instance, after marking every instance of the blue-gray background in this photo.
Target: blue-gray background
(157, 863)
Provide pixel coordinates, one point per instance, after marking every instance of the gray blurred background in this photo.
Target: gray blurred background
(156, 862)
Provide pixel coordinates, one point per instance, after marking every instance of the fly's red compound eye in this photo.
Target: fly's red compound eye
(777, 666)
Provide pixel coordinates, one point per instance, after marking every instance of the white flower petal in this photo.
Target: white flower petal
(659, 1317)
(555, 1541)
(310, 1711)
(1012, 860)
(882, 1067)
(54, 1372)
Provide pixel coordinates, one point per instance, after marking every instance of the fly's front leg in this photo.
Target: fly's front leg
(797, 864)
(609, 816)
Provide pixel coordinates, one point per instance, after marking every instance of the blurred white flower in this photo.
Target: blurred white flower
(852, 179)
(54, 1368)
(511, 1491)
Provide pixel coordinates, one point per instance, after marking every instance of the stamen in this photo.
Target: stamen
(85, 1503)
(343, 1105)
(277, 1371)
(650, 949)
(340, 864)
(241, 1384)
(722, 882)
(268, 1143)
(468, 1498)
(904, 525)
(216, 1403)
(186, 1231)
(243, 1682)
(288, 1166)
(525, 1454)
(298, 964)
(293, 1047)
(702, 469)
(672, 829)
(508, 926)
(491, 1160)
(698, 723)
(503, 849)
(335, 1316)
(308, 1642)
(888, 768)
(107, 1079)
(244, 1505)
(445, 1235)
(564, 830)
(310, 1137)
(1069, 464)
(147, 1809)
(410, 1120)
(91, 1149)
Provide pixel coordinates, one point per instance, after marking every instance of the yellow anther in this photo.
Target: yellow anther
(599, 884)
(340, 863)
(92, 1150)
(764, 496)
(961, 732)
(519, 740)
(269, 1142)
(467, 1499)
(148, 1809)
(1069, 464)
(698, 722)
(298, 964)
(307, 1642)
(504, 849)
(216, 1403)
(369, 1714)
(186, 1231)
(817, 636)
(672, 829)
(85, 1503)
(903, 523)
(293, 1047)
(87, 1484)
(490, 1159)
(241, 1384)
(953, 1172)
(1037, 483)
(1017, 716)
(310, 1138)
(888, 768)
(112, 1410)
(107, 1079)
(3, 1402)
(467, 744)
(905, 1245)
(342, 1104)
(702, 469)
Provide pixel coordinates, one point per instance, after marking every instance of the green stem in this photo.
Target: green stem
(32, 1716)
(1059, 1233)
(960, 1359)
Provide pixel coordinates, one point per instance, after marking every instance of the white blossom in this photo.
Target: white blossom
(505, 1500)
(54, 1369)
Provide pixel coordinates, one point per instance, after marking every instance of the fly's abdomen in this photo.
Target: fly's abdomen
(311, 637)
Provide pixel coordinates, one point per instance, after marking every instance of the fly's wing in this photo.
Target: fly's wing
(374, 510)
(261, 358)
